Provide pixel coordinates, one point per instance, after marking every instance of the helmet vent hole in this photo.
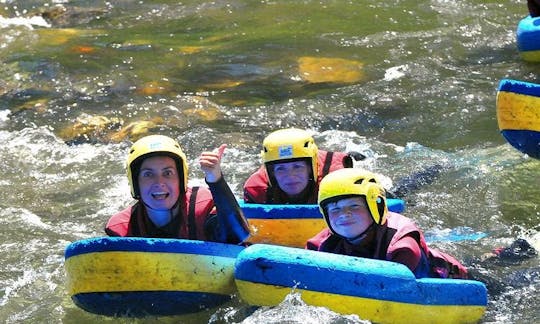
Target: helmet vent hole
(359, 181)
(306, 144)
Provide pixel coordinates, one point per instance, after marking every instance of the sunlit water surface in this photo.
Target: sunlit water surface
(418, 88)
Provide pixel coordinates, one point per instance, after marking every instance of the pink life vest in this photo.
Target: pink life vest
(196, 208)
(433, 263)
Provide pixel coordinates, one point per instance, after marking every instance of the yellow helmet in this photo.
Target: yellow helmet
(349, 182)
(153, 145)
(290, 144)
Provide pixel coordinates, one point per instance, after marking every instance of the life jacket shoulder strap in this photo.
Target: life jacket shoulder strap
(192, 226)
(327, 163)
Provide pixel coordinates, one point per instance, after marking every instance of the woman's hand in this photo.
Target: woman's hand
(211, 164)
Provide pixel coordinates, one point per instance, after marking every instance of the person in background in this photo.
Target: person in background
(293, 168)
(519, 250)
(534, 7)
(165, 207)
(353, 203)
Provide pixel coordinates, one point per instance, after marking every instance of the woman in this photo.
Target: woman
(293, 168)
(166, 207)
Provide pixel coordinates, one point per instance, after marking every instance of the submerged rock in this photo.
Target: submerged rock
(38, 105)
(155, 88)
(68, 16)
(327, 69)
(184, 113)
(136, 130)
(88, 128)
(204, 109)
(56, 36)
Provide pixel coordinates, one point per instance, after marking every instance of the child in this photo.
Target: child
(165, 207)
(293, 168)
(359, 224)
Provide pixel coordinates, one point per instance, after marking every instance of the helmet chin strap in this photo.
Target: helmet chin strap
(357, 239)
(162, 217)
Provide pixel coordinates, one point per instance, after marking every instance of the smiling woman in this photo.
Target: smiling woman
(160, 187)
(166, 207)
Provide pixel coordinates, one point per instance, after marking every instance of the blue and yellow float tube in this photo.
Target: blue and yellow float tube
(518, 115)
(291, 225)
(149, 277)
(528, 38)
(379, 291)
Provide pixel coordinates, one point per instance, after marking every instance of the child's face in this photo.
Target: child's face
(159, 182)
(292, 177)
(349, 217)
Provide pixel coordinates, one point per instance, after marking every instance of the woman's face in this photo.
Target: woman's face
(292, 177)
(349, 217)
(159, 182)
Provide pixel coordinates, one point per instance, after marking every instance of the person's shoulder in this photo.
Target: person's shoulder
(321, 236)
(338, 159)
(118, 224)
(323, 153)
(399, 220)
(257, 183)
(122, 216)
(397, 216)
(258, 175)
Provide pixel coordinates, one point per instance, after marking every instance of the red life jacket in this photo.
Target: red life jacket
(195, 209)
(259, 190)
(432, 263)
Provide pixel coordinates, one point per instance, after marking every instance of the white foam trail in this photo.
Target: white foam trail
(535, 241)
(4, 116)
(23, 21)
(395, 72)
(33, 219)
(27, 277)
(23, 216)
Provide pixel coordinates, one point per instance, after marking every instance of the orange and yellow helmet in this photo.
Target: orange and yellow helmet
(153, 145)
(349, 182)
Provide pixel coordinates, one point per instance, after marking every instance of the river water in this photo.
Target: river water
(409, 83)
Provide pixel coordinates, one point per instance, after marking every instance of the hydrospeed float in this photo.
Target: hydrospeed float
(273, 224)
(379, 291)
(134, 277)
(528, 38)
(137, 277)
(518, 115)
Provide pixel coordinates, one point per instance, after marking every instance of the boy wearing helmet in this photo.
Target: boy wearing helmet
(293, 168)
(166, 207)
(353, 203)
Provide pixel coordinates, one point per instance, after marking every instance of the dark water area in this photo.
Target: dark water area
(410, 84)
